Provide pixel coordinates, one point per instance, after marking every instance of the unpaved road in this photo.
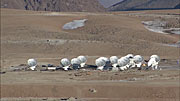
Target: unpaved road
(130, 85)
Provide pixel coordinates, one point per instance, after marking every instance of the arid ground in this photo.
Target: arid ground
(39, 35)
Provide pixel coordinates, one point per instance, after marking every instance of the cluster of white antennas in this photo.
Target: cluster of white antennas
(75, 63)
(126, 62)
(103, 63)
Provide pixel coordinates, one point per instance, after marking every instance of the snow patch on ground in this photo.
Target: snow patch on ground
(74, 24)
(155, 26)
(158, 27)
(173, 31)
(60, 14)
(176, 32)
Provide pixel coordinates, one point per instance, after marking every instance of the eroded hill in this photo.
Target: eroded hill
(54, 5)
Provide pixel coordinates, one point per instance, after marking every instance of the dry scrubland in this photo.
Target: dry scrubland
(27, 34)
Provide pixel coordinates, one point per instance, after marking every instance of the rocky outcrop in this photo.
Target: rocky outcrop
(54, 5)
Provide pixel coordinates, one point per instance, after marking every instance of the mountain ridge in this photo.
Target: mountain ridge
(108, 3)
(54, 5)
(128, 5)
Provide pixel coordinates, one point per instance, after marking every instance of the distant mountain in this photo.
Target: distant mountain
(108, 3)
(177, 6)
(54, 5)
(144, 5)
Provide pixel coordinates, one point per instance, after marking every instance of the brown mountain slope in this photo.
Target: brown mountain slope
(144, 5)
(54, 5)
(108, 3)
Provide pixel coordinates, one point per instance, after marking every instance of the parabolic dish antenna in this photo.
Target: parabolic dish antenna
(32, 63)
(65, 63)
(83, 60)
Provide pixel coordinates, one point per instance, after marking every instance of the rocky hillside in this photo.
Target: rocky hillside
(54, 5)
(108, 3)
(144, 5)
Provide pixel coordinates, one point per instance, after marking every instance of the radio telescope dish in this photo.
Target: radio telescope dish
(32, 63)
(130, 56)
(113, 59)
(65, 63)
(75, 63)
(105, 59)
(83, 60)
(100, 63)
(153, 62)
(138, 59)
(114, 63)
(123, 62)
(157, 58)
(107, 62)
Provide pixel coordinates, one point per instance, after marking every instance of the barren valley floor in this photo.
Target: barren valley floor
(39, 35)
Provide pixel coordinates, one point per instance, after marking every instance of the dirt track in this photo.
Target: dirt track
(132, 85)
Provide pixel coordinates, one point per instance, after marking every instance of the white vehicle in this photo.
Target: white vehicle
(52, 68)
(100, 63)
(65, 63)
(75, 62)
(153, 62)
(123, 62)
(32, 63)
(138, 60)
(83, 60)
